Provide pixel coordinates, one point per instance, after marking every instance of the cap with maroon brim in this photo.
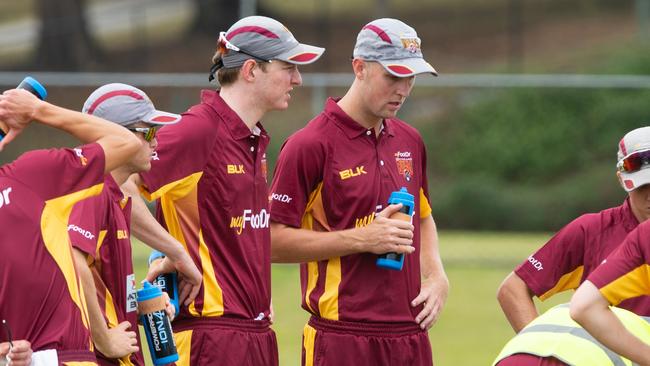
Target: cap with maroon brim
(395, 45)
(125, 104)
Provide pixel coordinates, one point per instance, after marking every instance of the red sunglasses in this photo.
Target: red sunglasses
(634, 161)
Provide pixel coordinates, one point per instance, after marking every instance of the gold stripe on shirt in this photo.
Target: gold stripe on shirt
(54, 230)
(425, 209)
(632, 284)
(175, 189)
(568, 281)
(179, 201)
(328, 304)
(308, 223)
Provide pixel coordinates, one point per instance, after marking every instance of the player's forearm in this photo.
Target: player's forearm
(430, 262)
(294, 245)
(119, 144)
(145, 227)
(431, 267)
(591, 310)
(516, 302)
(98, 326)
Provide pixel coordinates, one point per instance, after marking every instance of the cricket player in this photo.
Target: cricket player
(328, 211)
(623, 275)
(99, 229)
(40, 296)
(209, 177)
(575, 251)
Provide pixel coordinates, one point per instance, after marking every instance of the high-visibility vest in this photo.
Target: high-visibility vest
(555, 334)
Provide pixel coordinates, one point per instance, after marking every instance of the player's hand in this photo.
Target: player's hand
(17, 110)
(170, 310)
(118, 342)
(385, 235)
(433, 294)
(189, 277)
(18, 355)
(271, 313)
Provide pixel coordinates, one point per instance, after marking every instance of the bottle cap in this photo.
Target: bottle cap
(404, 197)
(148, 292)
(38, 88)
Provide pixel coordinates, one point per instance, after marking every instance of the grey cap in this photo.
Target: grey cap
(394, 45)
(265, 39)
(125, 104)
(635, 141)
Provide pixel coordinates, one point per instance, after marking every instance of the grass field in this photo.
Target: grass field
(471, 329)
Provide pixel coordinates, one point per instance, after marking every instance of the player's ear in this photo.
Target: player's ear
(360, 68)
(247, 70)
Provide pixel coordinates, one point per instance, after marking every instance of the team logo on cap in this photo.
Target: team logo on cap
(411, 44)
(404, 163)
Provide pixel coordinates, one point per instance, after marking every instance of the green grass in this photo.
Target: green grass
(471, 330)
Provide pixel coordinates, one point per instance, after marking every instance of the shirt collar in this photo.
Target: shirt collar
(630, 220)
(114, 191)
(350, 127)
(236, 126)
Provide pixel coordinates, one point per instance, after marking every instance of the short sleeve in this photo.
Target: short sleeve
(182, 151)
(625, 273)
(558, 265)
(425, 201)
(85, 225)
(55, 173)
(298, 173)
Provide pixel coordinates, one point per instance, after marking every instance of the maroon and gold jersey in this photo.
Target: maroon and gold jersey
(100, 226)
(333, 175)
(40, 295)
(566, 260)
(209, 175)
(625, 274)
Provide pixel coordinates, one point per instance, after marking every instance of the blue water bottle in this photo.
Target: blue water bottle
(167, 282)
(156, 324)
(395, 261)
(31, 85)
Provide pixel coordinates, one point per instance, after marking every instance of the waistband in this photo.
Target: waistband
(367, 329)
(78, 356)
(256, 326)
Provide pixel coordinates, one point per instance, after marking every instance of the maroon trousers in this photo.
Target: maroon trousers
(225, 342)
(337, 343)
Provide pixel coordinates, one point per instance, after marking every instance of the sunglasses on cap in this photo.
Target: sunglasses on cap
(634, 161)
(148, 132)
(224, 45)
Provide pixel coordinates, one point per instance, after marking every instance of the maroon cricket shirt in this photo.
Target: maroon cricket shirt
(334, 174)
(40, 294)
(625, 272)
(566, 260)
(209, 174)
(100, 227)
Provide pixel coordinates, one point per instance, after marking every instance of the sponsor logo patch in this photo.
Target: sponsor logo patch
(256, 221)
(4, 197)
(235, 169)
(131, 299)
(411, 44)
(80, 155)
(404, 163)
(351, 173)
(122, 234)
(85, 233)
(284, 198)
(536, 263)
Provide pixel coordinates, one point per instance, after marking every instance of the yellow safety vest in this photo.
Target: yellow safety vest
(555, 334)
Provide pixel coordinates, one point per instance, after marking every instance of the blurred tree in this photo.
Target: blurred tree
(64, 40)
(213, 16)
